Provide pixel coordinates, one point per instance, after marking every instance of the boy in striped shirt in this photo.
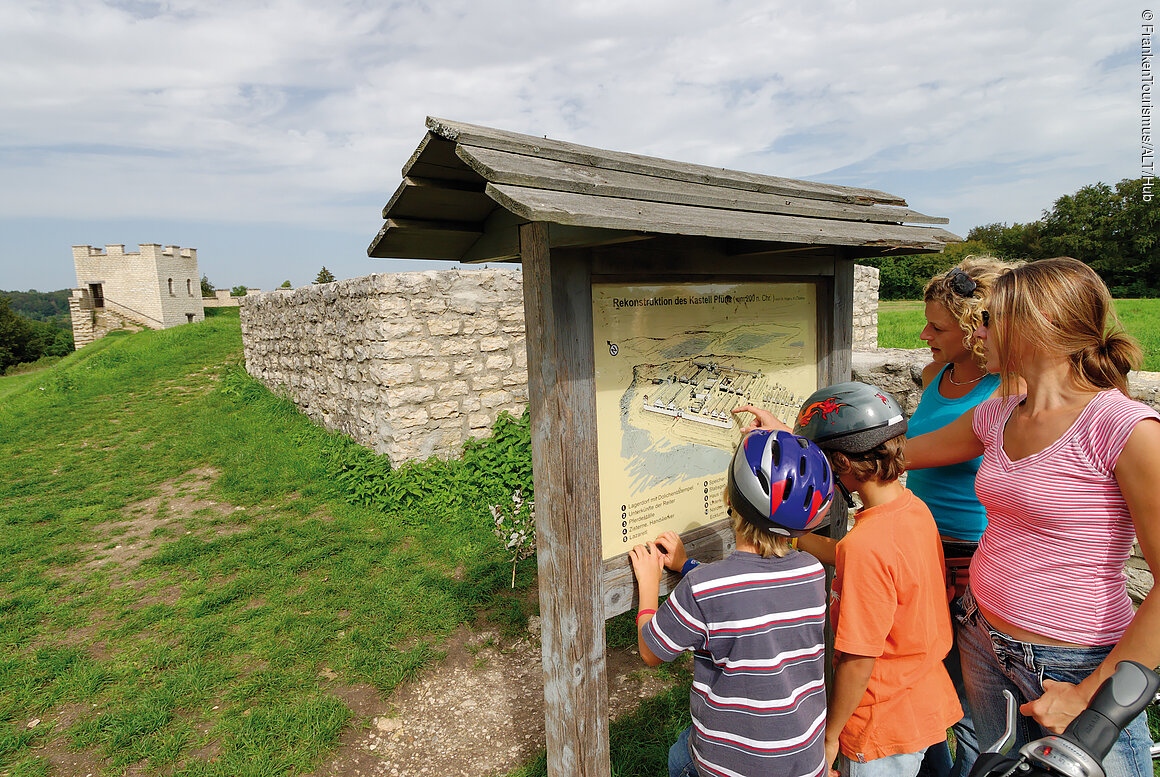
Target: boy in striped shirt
(753, 620)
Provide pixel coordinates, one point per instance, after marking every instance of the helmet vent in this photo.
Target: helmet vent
(809, 497)
(788, 488)
(802, 466)
(762, 479)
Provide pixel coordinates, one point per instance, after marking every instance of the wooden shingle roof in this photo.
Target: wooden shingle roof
(467, 188)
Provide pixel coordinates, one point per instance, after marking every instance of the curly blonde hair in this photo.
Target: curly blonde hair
(968, 310)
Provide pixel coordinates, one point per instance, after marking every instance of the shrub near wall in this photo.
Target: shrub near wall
(408, 364)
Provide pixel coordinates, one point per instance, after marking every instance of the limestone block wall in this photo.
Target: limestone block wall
(408, 364)
(179, 283)
(80, 308)
(866, 285)
(221, 299)
(412, 364)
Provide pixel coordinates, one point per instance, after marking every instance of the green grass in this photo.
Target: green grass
(216, 640)
(899, 323)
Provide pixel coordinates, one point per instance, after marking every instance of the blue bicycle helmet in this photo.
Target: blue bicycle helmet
(780, 482)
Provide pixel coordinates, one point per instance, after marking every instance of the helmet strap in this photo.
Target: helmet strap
(845, 491)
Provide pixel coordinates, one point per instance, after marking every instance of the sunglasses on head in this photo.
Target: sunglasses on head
(961, 283)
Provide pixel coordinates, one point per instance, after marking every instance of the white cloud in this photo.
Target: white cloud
(303, 112)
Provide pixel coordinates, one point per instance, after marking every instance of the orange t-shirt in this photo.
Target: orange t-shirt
(889, 601)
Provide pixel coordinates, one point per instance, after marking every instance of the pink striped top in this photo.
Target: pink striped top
(1051, 559)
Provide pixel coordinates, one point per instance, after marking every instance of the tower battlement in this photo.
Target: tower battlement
(146, 251)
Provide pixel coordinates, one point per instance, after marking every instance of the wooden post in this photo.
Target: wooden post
(562, 395)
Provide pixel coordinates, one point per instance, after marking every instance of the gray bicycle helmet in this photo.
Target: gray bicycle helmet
(850, 417)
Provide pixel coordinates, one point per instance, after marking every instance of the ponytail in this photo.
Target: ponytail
(1105, 364)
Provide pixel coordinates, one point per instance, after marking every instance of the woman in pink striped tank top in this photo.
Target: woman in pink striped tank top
(1069, 479)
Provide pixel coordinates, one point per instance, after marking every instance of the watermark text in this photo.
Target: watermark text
(1147, 159)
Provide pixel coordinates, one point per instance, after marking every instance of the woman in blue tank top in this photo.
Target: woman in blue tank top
(954, 382)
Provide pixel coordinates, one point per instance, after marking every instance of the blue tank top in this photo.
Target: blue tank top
(949, 491)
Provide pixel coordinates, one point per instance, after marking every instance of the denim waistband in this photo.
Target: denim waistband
(1030, 654)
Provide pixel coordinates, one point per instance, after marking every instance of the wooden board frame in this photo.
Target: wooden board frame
(578, 591)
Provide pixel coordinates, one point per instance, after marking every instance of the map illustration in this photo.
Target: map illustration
(672, 363)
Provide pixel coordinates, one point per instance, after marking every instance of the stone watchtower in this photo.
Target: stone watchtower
(156, 288)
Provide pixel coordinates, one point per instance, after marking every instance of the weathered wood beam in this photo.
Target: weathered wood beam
(435, 158)
(415, 239)
(711, 542)
(562, 394)
(500, 240)
(431, 198)
(502, 167)
(502, 140)
(677, 258)
(587, 211)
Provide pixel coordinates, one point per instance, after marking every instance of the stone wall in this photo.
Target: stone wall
(412, 364)
(865, 337)
(221, 299)
(408, 364)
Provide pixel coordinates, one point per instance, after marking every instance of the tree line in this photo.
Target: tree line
(1112, 229)
(27, 340)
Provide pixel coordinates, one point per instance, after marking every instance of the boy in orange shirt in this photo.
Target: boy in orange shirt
(891, 696)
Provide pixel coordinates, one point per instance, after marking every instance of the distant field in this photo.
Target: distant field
(900, 322)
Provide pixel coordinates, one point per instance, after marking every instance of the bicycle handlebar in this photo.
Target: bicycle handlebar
(1080, 749)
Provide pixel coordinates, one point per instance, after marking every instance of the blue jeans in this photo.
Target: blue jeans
(993, 661)
(681, 757)
(938, 761)
(901, 765)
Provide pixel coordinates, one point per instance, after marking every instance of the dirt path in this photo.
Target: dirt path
(478, 713)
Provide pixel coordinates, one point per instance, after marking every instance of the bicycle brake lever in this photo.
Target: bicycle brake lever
(1004, 743)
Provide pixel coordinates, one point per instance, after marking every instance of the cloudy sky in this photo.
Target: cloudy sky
(269, 134)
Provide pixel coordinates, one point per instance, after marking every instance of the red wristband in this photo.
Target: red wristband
(644, 612)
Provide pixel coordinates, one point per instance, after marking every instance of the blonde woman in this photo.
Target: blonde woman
(1068, 478)
(955, 381)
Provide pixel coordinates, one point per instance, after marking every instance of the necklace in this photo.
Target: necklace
(951, 378)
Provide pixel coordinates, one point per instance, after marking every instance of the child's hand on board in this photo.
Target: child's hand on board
(672, 550)
(647, 564)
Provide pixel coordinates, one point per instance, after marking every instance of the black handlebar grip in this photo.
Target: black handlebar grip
(1120, 699)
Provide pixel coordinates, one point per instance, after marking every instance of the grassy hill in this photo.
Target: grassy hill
(187, 588)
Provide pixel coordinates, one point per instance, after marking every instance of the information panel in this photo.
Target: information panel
(672, 361)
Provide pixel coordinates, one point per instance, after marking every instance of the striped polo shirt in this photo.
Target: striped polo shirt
(1051, 560)
(755, 626)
